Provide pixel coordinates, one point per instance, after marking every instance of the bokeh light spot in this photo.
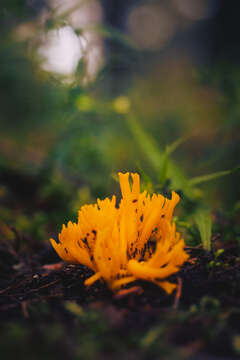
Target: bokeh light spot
(84, 103)
(61, 50)
(121, 105)
(197, 10)
(151, 26)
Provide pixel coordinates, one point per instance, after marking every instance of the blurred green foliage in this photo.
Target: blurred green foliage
(62, 141)
(91, 335)
(204, 224)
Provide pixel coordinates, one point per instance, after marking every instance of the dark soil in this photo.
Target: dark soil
(39, 295)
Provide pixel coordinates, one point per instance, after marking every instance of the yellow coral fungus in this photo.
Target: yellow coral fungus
(136, 240)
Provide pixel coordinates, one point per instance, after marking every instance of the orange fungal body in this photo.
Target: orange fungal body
(136, 240)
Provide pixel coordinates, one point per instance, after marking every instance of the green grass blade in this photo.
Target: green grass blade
(172, 147)
(204, 223)
(168, 151)
(146, 143)
(146, 179)
(163, 173)
(200, 179)
(157, 158)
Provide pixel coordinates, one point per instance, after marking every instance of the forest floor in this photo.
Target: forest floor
(47, 312)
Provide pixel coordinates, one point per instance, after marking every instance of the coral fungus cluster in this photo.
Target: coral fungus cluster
(121, 244)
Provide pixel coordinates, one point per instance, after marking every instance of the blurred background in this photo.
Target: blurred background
(89, 88)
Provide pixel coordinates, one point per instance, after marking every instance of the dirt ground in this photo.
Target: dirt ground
(46, 310)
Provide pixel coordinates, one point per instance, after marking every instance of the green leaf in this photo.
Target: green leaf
(163, 174)
(146, 179)
(172, 147)
(74, 308)
(115, 177)
(162, 165)
(204, 178)
(152, 336)
(146, 143)
(204, 223)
